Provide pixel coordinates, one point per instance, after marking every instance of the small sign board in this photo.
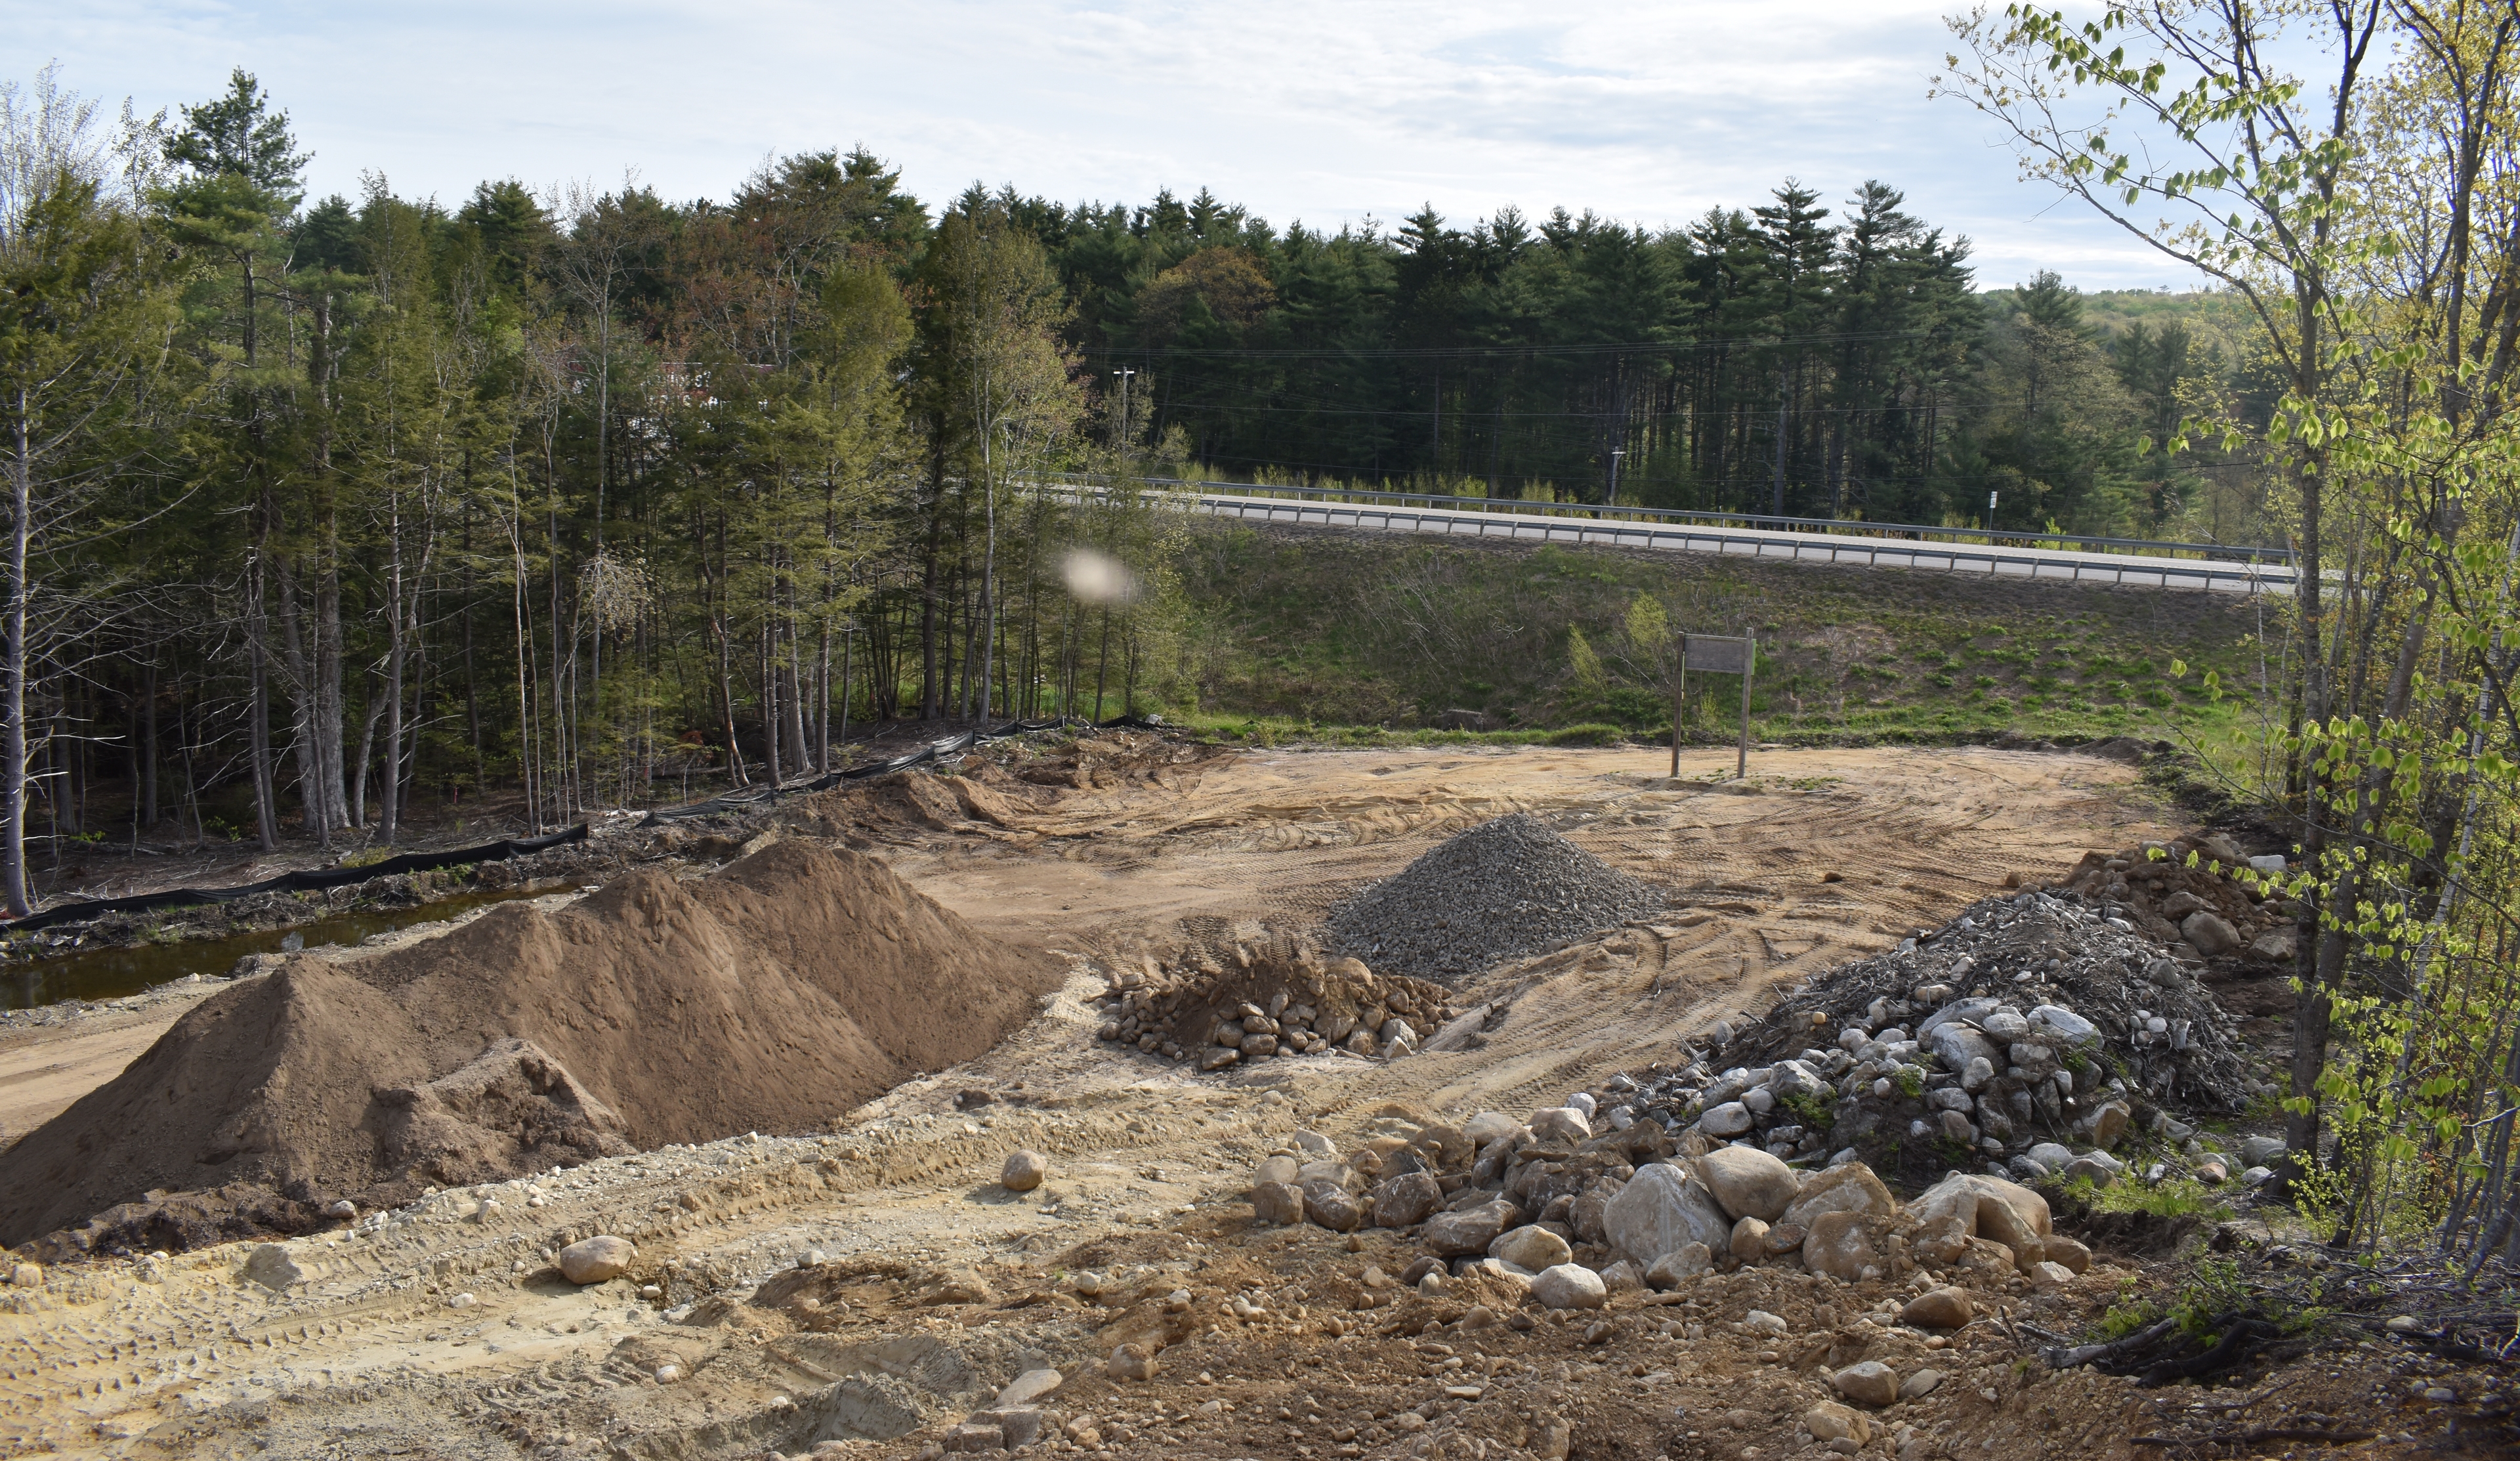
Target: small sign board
(1713, 654)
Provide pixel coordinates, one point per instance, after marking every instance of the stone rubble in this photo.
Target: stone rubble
(2029, 1037)
(1280, 998)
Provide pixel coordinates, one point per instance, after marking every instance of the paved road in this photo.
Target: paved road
(2046, 564)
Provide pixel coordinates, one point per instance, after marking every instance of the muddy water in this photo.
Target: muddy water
(111, 972)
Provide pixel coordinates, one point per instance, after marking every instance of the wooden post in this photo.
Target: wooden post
(1679, 702)
(1749, 662)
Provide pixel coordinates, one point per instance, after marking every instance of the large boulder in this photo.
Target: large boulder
(1586, 1216)
(1488, 1127)
(1728, 1118)
(1280, 1203)
(1989, 1207)
(1848, 1188)
(1748, 1182)
(1531, 1247)
(1406, 1200)
(1843, 1245)
(1660, 1210)
(1569, 1286)
(593, 1260)
(1956, 1043)
(1469, 1231)
(1868, 1382)
(1560, 1123)
(1333, 1206)
(2210, 934)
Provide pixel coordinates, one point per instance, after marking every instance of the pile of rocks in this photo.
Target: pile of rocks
(1504, 889)
(1576, 1216)
(2027, 1023)
(1280, 999)
(2199, 893)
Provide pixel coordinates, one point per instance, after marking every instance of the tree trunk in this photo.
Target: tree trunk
(13, 672)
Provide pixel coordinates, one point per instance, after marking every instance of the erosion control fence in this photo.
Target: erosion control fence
(300, 882)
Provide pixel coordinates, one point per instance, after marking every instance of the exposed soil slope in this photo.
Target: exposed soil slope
(771, 996)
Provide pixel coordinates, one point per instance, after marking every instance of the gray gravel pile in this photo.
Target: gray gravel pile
(1501, 890)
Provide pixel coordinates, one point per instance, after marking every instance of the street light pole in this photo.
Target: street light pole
(1616, 453)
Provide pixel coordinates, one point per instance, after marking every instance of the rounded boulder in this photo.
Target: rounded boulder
(1748, 1183)
(1023, 1170)
(1531, 1247)
(593, 1260)
(1569, 1286)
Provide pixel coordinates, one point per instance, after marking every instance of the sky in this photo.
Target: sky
(1329, 113)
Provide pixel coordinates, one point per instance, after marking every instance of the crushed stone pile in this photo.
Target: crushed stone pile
(1502, 889)
(1280, 998)
(2031, 1033)
(2195, 893)
(772, 995)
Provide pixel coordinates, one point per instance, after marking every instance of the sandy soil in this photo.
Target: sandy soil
(938, 1285)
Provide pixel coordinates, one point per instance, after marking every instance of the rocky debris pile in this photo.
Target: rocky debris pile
(1465, 1187)
(1568, 1216)
(2026, 1023)
(2199, 893)
(1283, 998)
(1502, 889)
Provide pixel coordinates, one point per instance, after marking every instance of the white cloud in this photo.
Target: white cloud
(1327, 113)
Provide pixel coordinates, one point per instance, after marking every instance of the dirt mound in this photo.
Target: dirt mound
(1501, 890)
(2163, 887)
(1283, 998)
(772, 995)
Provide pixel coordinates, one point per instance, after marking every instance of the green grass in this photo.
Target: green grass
(1367, 640)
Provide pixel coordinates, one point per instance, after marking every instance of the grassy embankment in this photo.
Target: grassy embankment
(1367, 639)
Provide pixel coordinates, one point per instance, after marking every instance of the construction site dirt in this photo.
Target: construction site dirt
(863, 1271)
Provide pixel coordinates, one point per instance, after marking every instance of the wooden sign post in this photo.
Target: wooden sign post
(1716, 653)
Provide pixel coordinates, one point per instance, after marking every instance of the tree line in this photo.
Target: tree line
(325, 507)
(1762, 360)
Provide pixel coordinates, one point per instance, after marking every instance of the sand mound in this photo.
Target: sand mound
(1501, 890)
(772, 995)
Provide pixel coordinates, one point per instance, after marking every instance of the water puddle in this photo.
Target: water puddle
(112, 973)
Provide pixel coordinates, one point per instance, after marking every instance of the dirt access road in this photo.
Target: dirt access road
(438, 1330)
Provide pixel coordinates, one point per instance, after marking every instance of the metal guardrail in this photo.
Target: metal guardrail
(2047, 566)
(2064, 542)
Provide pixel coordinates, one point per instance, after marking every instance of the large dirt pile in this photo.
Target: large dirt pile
(772, 995)
(1501, 890)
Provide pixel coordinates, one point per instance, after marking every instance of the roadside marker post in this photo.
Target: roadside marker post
(1715, 654)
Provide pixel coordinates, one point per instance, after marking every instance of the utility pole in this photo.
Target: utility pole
(1778, 508)
(1124, 373)
(1616, 453)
